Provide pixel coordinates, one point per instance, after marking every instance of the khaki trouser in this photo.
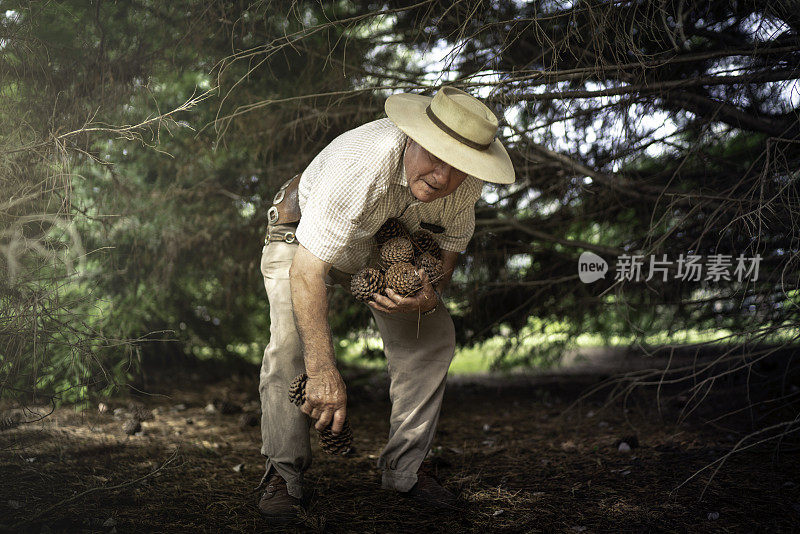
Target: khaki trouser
(417, 371)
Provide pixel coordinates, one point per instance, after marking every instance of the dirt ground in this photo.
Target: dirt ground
(518, 452)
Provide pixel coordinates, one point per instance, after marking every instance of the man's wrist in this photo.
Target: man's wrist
(317, 367)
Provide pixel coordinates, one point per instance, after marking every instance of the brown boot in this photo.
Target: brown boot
(276, 505)
(429, 492)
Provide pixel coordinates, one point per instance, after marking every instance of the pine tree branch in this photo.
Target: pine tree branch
(762, 77)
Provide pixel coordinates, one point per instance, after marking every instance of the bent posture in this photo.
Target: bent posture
(424, 164)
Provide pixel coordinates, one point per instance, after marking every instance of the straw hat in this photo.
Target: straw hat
(455, 127)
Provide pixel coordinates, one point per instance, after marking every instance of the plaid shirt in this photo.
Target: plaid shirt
(357, 182)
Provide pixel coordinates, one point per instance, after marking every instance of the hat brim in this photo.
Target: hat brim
(407, 112)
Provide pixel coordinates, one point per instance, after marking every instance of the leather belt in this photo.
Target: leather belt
(285, 210)
(286, 204)
(288, 237)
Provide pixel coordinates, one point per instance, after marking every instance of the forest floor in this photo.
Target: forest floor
(519, 452)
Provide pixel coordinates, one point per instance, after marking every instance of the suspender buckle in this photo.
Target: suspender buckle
(272, 215)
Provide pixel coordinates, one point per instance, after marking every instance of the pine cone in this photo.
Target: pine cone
(366, 282)
(341, 444)
(297, 390)
(132, 426)
(433, 267)
(139, 411)
(391, 228)
(424, 241)
(403, 279)
(398, 249)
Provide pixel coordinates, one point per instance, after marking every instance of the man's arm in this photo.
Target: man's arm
(449, 261)
(326, 398)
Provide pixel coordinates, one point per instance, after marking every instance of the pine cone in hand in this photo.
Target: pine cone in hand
(424, 241)
(341, 444)
(403, 279)
(433, 267)
(366, 282)
(396, 250)
(297, 390)
(390, 229)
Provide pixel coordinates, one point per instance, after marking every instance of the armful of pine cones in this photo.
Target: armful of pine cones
(402, 254)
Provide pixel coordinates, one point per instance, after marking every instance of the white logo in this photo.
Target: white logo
(591, 267)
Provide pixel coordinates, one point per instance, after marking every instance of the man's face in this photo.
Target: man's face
(429, 177)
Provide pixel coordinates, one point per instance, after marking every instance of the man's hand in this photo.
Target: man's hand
(326, 399)
(392, 302)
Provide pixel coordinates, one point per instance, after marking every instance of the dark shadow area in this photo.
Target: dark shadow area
(520, 451)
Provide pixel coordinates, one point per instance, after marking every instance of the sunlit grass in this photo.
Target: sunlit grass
(366, 350)
(479, 358)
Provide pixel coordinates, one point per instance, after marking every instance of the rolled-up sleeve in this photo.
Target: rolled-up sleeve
(459, 231)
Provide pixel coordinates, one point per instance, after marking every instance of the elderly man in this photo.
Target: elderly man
(424, 164)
